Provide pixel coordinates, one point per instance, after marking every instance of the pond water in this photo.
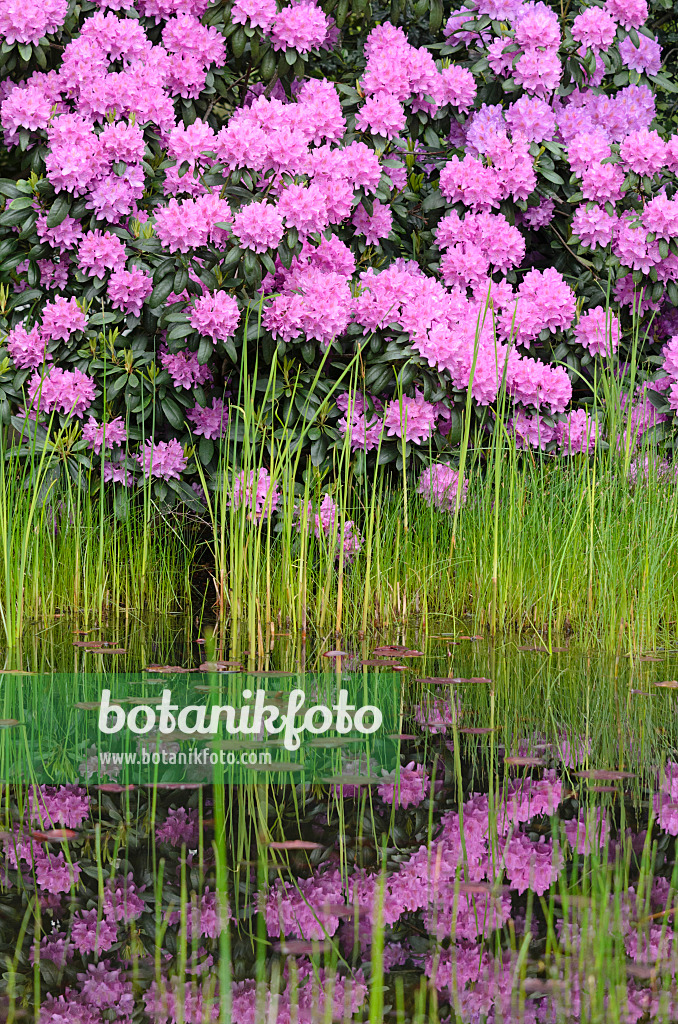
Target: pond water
(508, 855)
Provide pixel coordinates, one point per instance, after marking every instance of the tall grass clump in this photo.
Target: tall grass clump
(65, 548)
(526, 538)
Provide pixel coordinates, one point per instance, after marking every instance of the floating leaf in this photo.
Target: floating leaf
(7, 723)
(668, 684)
(336, 654)
(447, 680)
(377, 663)
(113, 787)
(54, 835)
(477, 730)
(397, 650)
(296, 844)
(220, 666)
(166, 668)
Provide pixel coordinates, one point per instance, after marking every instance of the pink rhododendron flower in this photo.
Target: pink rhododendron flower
(68, 391)
(375, 226)
(215, 315)
(531, 431)
(326, 522)
(22, 23)
(258, 226)
(129, 289)
(577, 433)
(412, 419)
(26, 348)
(439, 485)
(165, 460)
(598, 331)
(644, 57)
(405, 788)
(60, 318)
(259, 13)
(381, 115)
(257, 492)
(184, 368)
(302, 25)
(211, 421)
(107, 435)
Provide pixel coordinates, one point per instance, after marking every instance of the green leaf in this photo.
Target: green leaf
(173, 413)
(205, 450)
(161, 292)
(231, 260)
(664, 83)
(180, 330)
(205, 349)
(59, 210)
(551, 176)
(434, 201)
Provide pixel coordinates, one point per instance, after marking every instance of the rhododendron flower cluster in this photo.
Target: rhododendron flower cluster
(439, 486)
(165, 460)
(325, 521)
(435, 220)
(256, 491)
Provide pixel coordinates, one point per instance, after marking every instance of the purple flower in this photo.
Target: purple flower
(113, 433)
(406, 788)
(165, 460)
(211, 421)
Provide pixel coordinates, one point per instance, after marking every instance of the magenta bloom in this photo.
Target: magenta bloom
(61, 318)
(215, 315)
(28, 23)
(577, 433)
(258, 226)
(364, 430)
(598, 331)
(184, 368)
(407, 788)
(376, 226)
(58, 805)
(304, 208)
(381, 115)
(26, 348)
(629, 13)
(439, 484)
(257, 492)
(259, 13)
(100, 251)
(412, 419)
(68, 391)
(180, 826)
(211, 421)
(165, 460)
(646, 57)
(325, 522)
(90, 935)
(594, 28)
(302, 26)
(129, 289)
(113, 432)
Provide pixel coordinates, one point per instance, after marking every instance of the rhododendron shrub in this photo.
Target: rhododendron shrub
(200, 188)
